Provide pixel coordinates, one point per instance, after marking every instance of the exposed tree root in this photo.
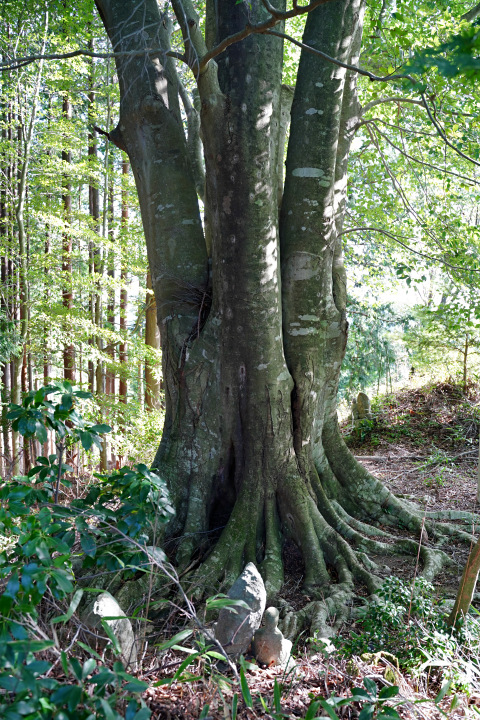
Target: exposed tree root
(331, 508)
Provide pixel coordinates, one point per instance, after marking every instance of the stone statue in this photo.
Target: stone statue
(269, 645)
(361, 408)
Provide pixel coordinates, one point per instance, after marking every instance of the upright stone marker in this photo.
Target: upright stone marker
(236, 626)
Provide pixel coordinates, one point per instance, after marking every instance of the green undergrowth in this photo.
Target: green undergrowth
(442, 415)
(48, 669)
(408, 622)
(44, 673)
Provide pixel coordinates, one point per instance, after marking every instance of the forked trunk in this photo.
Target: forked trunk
(252, 304)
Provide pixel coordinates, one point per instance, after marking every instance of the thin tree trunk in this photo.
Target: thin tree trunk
(94, 211)
(152, 340)
(110, 376)
(25, 142)
(123, 386)
(67, 247)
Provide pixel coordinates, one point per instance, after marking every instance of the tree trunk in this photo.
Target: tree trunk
(152, 341)
(67, 295)
(94, 212)
(252, 314)
(122, 388)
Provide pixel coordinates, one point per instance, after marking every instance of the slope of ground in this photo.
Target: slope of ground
(423, 443)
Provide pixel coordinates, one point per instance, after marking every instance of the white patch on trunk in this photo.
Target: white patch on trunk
(303, 331)
(310, 318)
(262, 366)
(308, 172)
(264, 116)
(313, 111)
(270, 268)
(302, 266)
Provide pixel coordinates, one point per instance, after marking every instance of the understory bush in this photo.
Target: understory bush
(107, 530)
(409, 622)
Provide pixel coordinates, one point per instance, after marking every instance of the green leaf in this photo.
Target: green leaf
(183, 666)
(277, 697)
(234, 706)
(41, 432)
(86, 439)
(136, 686)
(63, 580)
(388, 692)
(245, 689)
(366, 713)
(100, 429)
(221, 601)
(204, 712)
(312, 710)
(444, 690)
(371, 687)
(329, 710)
(83, 394)
(215, 654)
(361, 694)
(455, 702)
(388, 713)
(88, 667)
(183, 635)
(112, 636)
(90, 650)
(89, 545)
(71, 609)
(143, 714)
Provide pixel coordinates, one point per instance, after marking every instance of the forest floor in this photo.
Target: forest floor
(423, 443)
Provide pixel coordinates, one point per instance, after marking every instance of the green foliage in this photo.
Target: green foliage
(374, 349)
(112, 524)
(372, 701)
(409, 623)
(447, 332)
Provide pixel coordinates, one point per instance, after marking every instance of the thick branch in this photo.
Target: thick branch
(261, 28)
(472, 14)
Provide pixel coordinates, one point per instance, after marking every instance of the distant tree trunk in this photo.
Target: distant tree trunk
(123, 387)
(24, 139)
(5, 317)
(465, 358)
(46, 295)
(152, 340)
(67, 295)
(110, 374)
(94, 212)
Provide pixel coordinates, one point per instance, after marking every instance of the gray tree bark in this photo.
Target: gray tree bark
(252, 311)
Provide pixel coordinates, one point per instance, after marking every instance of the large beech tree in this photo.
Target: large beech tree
(251, 301)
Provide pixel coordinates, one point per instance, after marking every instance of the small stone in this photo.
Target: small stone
(269, 645)
(236, 626)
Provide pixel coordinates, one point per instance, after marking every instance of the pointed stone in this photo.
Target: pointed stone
(236, 626)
